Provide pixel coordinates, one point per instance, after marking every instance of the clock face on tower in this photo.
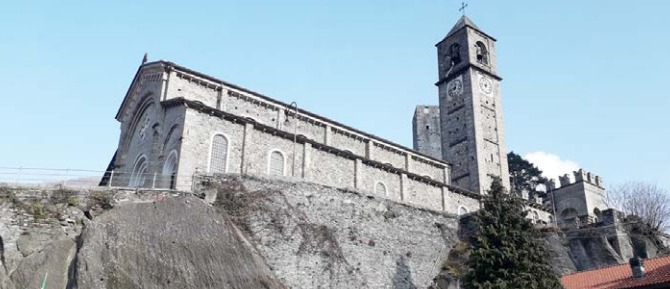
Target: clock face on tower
(485, 84)
(455, 87)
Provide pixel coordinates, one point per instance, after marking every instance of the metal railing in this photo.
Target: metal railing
(85, 179)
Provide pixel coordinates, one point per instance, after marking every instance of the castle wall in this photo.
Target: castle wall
(584, 198)
(571, 197)
(595, 197)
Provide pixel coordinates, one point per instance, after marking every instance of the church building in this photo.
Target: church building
(177, 123)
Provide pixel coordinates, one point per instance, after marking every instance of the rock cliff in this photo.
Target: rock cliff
(249, 232)
(164, 241)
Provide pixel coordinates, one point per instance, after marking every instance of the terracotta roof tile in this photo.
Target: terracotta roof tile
(620, 276)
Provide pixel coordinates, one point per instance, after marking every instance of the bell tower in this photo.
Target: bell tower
(473, 138)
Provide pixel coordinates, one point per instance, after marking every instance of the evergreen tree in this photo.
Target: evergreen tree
(507, 250)
(524, 175)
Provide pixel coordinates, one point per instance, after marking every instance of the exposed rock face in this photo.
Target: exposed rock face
(173, 243)
(556, 246)
(166, 242)
(33, 247)
(320, 237)
(259, 233)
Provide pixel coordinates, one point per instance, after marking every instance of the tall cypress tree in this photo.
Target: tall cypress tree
(507, 250)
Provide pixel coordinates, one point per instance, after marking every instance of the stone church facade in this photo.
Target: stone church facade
(177, 123)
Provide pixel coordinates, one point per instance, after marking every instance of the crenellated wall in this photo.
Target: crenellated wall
(582, 200)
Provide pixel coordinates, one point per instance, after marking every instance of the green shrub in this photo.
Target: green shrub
(62, 196)
(103, 199)
(37, 210)
(73, 201)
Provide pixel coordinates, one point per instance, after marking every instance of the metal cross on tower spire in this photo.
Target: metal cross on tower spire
(462, 9)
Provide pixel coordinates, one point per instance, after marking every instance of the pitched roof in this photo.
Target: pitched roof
(620, 276)
(463, 22)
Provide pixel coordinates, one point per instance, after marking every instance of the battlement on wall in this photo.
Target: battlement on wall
(580, 176)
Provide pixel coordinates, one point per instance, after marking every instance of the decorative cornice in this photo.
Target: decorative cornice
(464, 68)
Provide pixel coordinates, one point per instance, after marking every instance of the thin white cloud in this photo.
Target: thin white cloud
(552, 165)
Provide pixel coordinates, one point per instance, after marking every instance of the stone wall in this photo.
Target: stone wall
(217, 94)
(188, 109)
(149, 130)
(320, 237)
(250, 144)
(584, 198)
(426, 131)
(471, 115)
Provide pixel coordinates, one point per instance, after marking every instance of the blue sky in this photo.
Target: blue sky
(585, 82)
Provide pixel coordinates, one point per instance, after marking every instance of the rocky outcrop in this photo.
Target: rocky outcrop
(249, 232)
(557, 248)
(164, 241)
(320, 237)
(172, 243)
(37, 238)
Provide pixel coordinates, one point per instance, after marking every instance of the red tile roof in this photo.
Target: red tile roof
(620, 276)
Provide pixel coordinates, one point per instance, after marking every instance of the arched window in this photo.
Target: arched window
(455, 53)
(380, 188)
(170, 138)
(482, 53)
(139, 176)
(536, 217)
(551, 219)
(569, 213)
(218, 156)
(276, 163)
(462, 211)
(170, 169)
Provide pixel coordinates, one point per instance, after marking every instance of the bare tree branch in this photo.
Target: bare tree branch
(649, 202)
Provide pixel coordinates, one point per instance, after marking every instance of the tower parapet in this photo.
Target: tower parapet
(583, 199)
(584, 176)
(564, 180)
